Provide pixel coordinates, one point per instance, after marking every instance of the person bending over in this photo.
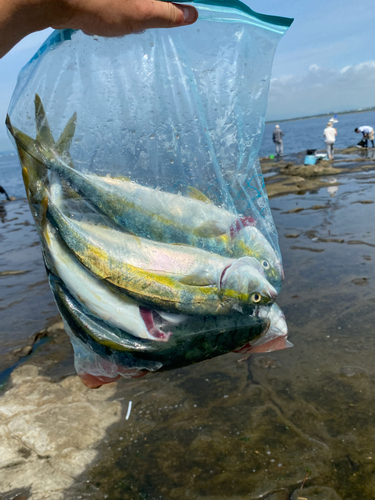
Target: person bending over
(110, 18)
(368, 134)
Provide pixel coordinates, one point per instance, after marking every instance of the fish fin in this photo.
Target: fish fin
(43, 213)
(194, 193)
(209, 229)
(9, 124)
(123, 178)
(29, 145)
(195, 280)
(26, 180)
(43, 130)
(65, 140)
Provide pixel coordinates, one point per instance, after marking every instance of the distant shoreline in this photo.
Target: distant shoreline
(322, 115)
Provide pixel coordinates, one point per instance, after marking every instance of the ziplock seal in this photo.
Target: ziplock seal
(237, 5)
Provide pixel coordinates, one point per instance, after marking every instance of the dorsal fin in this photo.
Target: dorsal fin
(43, 131)
(65, 140)
(194, 193)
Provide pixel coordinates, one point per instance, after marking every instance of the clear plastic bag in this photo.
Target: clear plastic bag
(139, 157)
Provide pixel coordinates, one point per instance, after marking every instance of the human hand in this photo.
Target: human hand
(118, 17)
(19, 18)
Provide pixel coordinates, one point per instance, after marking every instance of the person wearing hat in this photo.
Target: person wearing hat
(330, 136)
(277, 138)
(368, 134)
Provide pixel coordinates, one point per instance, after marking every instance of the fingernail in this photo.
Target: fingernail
(190, 15)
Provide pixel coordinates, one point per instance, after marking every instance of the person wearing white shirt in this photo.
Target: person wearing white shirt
(330, 136)
(368, 134)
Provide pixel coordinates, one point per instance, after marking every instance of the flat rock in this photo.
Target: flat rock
(309, 170)
(48, 432)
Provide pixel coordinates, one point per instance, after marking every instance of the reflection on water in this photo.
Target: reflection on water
(265, 427)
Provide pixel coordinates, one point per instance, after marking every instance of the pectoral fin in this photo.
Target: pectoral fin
(196, 280)
(209, 229)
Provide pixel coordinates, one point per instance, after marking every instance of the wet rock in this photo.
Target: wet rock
(317, 250)
(12, 273)
(359, 242)
(277, 495)
(16, 495)
(331, 240)
(48, 431)
(364, 202)
(315, 493)
(294, 210)
(292, 235)
(361, 281)
(307, 171)
(25, 351)
(318, 207)
(56, 326)
(352, 371)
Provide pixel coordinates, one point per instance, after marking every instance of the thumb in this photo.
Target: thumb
(169, 15)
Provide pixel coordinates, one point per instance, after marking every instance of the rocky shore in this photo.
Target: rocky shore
(290, 175)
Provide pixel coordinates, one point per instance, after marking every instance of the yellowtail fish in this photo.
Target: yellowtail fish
(120, 311)
(192, 220)
(175, 278)
(200, 339)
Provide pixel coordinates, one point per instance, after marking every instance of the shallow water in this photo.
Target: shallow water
(256, 429)
(260, 428)
(26, 301)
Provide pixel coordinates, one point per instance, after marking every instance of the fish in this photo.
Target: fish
(174, 278)
(192, 342)
(167, 217)
(272, 339)
(118, 311)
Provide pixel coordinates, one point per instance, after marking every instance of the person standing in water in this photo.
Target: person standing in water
(277, 138)
(368, 134)
(330, 136)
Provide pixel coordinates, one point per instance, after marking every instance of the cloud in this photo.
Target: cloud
(322, 90)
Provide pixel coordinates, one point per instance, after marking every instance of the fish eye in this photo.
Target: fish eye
(256, 297)
(265, 264)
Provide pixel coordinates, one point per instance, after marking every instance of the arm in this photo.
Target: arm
(19, 18)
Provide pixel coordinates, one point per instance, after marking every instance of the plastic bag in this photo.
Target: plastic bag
(139, 157)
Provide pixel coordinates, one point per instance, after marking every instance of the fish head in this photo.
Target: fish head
(278, 326)
(250, 241)
(245, 282)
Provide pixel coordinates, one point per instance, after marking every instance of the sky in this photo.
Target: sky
(324, 63)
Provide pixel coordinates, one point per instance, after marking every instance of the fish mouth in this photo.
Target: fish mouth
(272, 293)
(155, 333)
(269, 292)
